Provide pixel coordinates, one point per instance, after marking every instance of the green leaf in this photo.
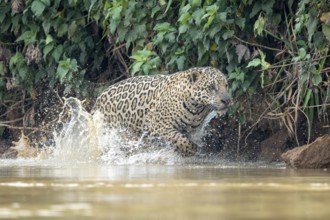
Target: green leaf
(304, 77)
(113, 26)
(185, 9)
(326, 31)
(212, 9)
(302, 53)
(311, 26)
(184, 18)
(253, 63)
(154, 62)
(209, 22)
(154, 11)
(4, 11)
(223, 16)
(37, 7)
(46, 26)
(136, 67)
(267, 6)
(228, 34)
(72, 29)
(140, 29)
(57, 53)
(122, 32)
(74, 65)
(240, 22)
(62, 69)
(317, 79)
(62, 30)
(259, 25)
(162, 2)
(195, 3)
(197, 16)
(46, 2)
(116, 13)
(179, 52)
(17, 59)
(47, 49)
(211, 13)
(23, 73)
(1, 68)
(49, 39)
(256, 8)
(162, 27)
(180, 62)
(27, 37)
(183, 29)
(240, 76)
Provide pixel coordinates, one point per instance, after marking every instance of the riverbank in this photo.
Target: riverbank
(257, 139)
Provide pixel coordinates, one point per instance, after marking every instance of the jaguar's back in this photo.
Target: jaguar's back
(126, 104)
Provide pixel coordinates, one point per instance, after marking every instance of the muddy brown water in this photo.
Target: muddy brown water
(124, 179)
(32, 189)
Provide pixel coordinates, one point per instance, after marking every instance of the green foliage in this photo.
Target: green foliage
(281, 46)
(127, 20)
(58, 31)
(146, 61)
(299, 69)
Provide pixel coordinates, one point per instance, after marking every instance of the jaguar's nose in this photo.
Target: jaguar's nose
(226, 99)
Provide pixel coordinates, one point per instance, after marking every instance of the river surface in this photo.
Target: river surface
(91, 173)
(39, 189)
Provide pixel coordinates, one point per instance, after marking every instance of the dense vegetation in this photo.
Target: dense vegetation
(76, 47)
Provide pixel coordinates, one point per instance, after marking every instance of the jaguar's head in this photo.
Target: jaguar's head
(210, 88)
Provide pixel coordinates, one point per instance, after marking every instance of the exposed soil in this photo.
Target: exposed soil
(260, 138)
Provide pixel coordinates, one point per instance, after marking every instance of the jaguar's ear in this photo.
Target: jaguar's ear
(194, 76)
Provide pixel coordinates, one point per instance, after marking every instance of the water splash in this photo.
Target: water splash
(198, 134)
(84, 137)
(78, 139)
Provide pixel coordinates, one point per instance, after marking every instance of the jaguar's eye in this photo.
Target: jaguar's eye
(212, 87)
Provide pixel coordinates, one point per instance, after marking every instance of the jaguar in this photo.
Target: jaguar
(166, 107)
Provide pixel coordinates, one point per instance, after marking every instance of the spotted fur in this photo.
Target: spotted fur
(167, 107)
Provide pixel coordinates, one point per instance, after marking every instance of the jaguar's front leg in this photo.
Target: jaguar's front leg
(181, 143)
